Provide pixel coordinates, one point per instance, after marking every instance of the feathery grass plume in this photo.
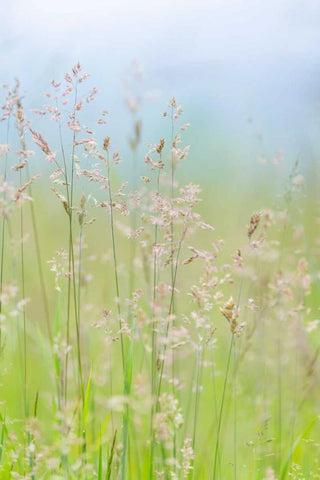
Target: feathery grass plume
(173, 353)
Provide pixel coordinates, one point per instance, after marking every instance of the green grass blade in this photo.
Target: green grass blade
(285, 467)
(86, 404)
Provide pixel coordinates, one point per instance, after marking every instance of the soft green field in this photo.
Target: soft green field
(137, 340)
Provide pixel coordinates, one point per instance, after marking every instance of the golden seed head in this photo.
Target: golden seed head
(254, 222)
(106, 143)
(160, 145)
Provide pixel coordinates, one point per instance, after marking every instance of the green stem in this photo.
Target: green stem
(39, 260)
(197, 399)
(3, 231)
(154, 337)
(221, 409)
(23, 308)
(171, 304)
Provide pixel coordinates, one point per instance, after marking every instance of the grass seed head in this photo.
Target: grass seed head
(254, 222)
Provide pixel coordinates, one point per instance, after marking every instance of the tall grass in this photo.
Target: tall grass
(123, 352)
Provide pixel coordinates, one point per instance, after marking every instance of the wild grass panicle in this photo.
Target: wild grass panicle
(137, 340)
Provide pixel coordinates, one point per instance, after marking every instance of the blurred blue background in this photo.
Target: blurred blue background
(245, 71)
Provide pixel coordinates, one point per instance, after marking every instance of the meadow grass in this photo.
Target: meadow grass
(137, 340)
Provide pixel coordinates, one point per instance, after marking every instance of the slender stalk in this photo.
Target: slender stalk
(154, 336)
(185, 228)
(65, 381)
(20, 124)
(115, 262)
(222, 407)
(72, 264)
(171, 306)
(22, 272)
(39, 260)
(71, 260)
(3, 230)
(124, 365)
(174, 367)
(197, 399)
(295, 376)
(78, 307)
(235, 369)
(215, 400)
(110, 459)
(172, 196)
(133, 228)
(189, 400)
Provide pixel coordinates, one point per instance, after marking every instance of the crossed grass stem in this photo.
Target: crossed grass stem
(126, 365)
(156, 389)
(162, 363)
(71, 261)
(170, 310)
(232, 348)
